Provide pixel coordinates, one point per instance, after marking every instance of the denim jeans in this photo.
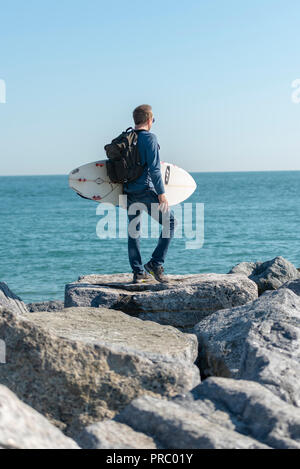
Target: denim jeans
(149, 203)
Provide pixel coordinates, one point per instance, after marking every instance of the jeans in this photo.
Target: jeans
(147, 201)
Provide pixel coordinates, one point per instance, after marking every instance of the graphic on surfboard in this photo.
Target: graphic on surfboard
(92, 182)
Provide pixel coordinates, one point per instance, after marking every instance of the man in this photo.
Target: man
(149, 191)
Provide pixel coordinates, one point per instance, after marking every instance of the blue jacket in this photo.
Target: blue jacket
(151, 177)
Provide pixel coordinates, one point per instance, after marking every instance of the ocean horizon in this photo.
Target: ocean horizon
(190, 171)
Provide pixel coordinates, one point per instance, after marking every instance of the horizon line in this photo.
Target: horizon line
(189, 171)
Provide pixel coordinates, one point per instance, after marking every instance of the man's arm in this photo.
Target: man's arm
(153, 163)
(163, 202)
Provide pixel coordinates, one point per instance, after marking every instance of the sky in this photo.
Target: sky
(218, 75)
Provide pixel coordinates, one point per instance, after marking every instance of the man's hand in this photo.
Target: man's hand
(163, 203)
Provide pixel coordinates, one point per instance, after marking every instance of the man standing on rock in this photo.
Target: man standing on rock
(149, 191)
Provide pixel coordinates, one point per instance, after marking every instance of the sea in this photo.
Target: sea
(49, 234)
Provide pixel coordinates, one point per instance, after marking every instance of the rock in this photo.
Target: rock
(113, 435)
(23, 428)
(183, 424)
(259, 341)
(11, 301)
(219, 413)
(293, 285)
(182, 303)
(252, 410)
(271, 353)
(45, 306)
(82, 365)
(268, 275)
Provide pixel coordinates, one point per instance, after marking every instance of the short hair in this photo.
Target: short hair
(142, 114)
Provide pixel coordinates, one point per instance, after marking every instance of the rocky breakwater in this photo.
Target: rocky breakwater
(268, 275)
(112, 380)
(259, 341)
(82, 365)
(220, 413)
(182, 303)
(255, 405)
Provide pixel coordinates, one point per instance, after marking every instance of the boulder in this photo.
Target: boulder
(251, 409)
(268, 275)
(113, 435)
(259, 341)
(180, 428)
(82, 365)
(293, 285)
(186, 424)
(271, 353)
(53, 305)
(220, 413)
(182, 303)
(23, 428)
(11, 301)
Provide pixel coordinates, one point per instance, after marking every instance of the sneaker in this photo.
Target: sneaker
(157, 272)
(140, 278)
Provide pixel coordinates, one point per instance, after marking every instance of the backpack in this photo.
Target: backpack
(124, 163)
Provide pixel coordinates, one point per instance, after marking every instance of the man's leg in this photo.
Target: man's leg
(168, 222)
(134, 252)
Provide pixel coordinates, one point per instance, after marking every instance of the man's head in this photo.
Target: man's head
(143, 117)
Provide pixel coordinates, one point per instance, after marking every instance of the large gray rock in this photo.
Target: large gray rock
(259, 341)
(182, 303)
(82, 365)
(271, 353)
(219, 413)
(268, 275)
(293, 285)
(182, 424)
(23, 428)
(113, 435)
(251, 409)
(53, 305)
(11, 301)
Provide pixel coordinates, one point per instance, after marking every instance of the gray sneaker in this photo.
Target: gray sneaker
(157, 272)
(140, 278)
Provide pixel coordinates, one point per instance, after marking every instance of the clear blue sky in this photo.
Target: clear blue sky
(217, 73)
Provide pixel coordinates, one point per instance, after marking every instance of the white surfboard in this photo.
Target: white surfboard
(92, 182)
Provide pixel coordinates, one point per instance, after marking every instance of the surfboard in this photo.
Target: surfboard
(92, 182)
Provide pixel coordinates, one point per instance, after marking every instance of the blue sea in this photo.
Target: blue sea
(48, 233)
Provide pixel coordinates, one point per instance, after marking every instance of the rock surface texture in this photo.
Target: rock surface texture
(182, 303)
(219, 413)
(82, 365)
(115, 379)
(268, 275)
(293, 285)
(45, 306)
(259, 341)
(11, 301)
(23, 428)
(113, 435)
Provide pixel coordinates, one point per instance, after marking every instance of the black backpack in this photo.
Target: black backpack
(124, 163)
